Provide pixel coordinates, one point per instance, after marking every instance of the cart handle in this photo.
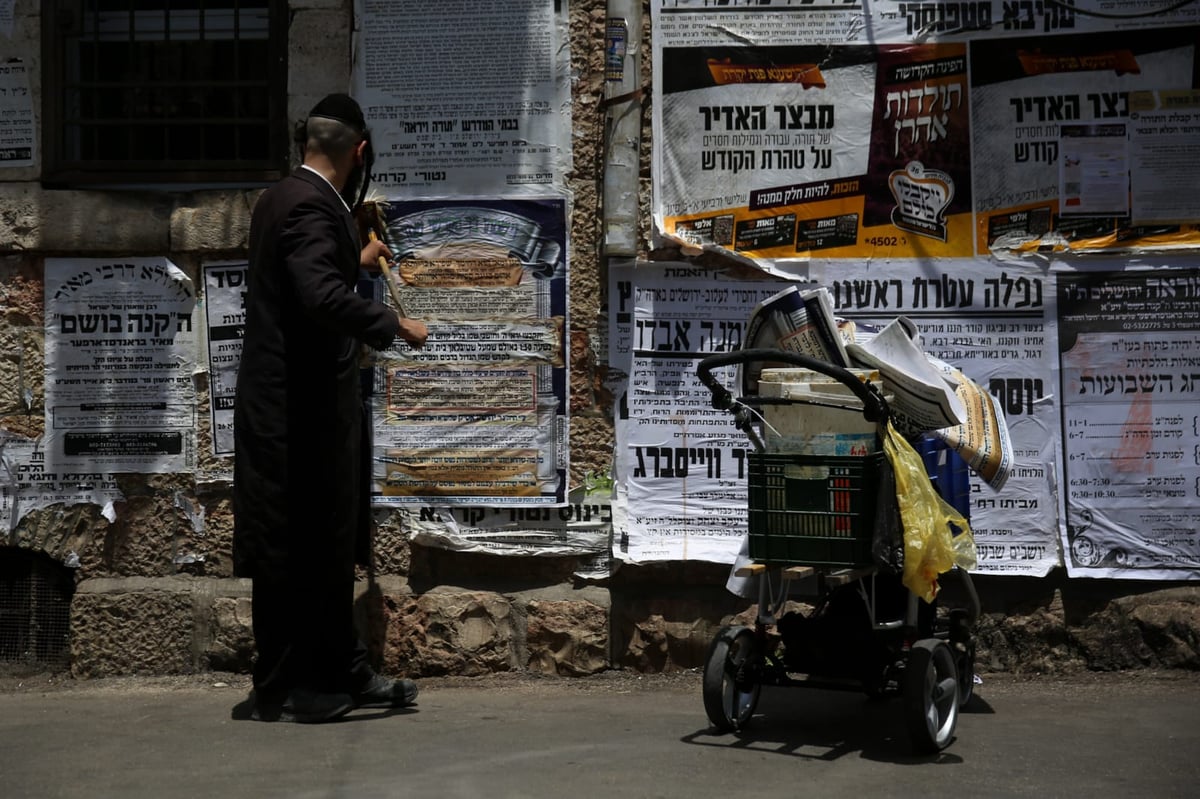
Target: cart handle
(875, 407)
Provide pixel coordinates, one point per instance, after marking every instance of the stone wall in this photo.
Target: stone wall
(155, 592)
(661, 618)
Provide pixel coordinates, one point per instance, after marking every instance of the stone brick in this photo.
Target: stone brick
(142, 540)
(212, 221)
(669, 634)
(449, 632)
(230, 644)
(134, 632)
(22, 381)
(591, 447)
(1033, 639)
(391, 551)
(88, 222)
(215, 541)
(566, 638)
(583, 371)
(1167, 622)
(318, 60)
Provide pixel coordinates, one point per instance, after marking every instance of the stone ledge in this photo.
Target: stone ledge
(452, 630)
(231, 586)
(184, 624)
(160, 625)
(133, 632)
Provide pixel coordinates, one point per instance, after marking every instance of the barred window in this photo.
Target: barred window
(35, 611)
(152, 91)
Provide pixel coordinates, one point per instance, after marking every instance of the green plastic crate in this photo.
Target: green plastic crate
(813, 510)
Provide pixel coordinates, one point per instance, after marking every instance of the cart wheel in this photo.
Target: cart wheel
(731, 679)
(930, 695)
(963, 642)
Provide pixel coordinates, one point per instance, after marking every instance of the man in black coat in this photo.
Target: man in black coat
(299, 494)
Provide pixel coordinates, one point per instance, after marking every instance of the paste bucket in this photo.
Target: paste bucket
(822, 417)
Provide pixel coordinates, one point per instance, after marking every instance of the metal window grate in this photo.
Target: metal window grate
(169, 83)
(35, 607)
(152, 87)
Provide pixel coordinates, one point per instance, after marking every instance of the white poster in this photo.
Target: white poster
(18, 133)
(120, 352)
(225, 315)
(1093, 170)
(27, 485)
(1164, 152)
(1129, 342)
(581, 527)
(991, 324)
(822, 21)
(6, 17)
(681, 465)
(465, 97)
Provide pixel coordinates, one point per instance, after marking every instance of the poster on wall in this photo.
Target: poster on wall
(6, 17)
(680, 464)
(783, 153)
(581, 527)
(895, 21)
(18, 132)
(120, 352)
(1052, 124)
(1129, 346)
(26, 485)
(991, 324)
(681, 476)
(765, 148)
(464, 97)
(225, 315)
(479, 415)
(1164, 155)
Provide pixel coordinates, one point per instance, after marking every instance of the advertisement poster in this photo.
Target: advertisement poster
(18, 131)
(1050, 122)
(1129, 344)
(1164, 152)
(784, 153)
(479, 415)
(681, 465)
(896, 21)
(225, 314)
(465, 97)
(120, 353)
(991, 324)
(27, 485)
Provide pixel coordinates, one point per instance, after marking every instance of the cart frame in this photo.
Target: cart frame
(888, 644)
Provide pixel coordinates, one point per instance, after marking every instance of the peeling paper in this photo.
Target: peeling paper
(192, 509)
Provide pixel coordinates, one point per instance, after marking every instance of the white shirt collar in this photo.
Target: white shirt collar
(322, 177)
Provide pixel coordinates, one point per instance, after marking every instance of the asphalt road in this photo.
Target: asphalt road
(617, 734)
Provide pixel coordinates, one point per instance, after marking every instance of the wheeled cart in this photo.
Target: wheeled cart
(832, 520)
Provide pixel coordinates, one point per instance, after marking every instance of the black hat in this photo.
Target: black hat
(343, 108)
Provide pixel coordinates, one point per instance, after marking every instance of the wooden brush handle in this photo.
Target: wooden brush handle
(389, 278)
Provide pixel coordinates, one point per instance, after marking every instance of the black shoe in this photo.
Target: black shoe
(380, 691)
(304, 707)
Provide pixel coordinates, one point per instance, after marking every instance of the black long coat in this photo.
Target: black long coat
(299, 493)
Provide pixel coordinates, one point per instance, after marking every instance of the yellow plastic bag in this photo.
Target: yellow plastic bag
(930, 548)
